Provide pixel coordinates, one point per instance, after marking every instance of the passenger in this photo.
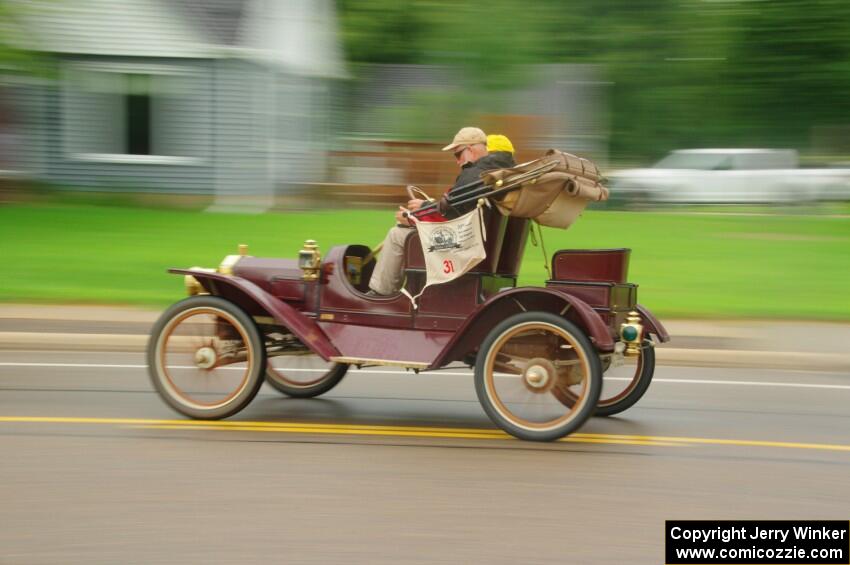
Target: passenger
(470, 149)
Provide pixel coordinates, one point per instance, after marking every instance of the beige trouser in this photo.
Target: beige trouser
(388, 277)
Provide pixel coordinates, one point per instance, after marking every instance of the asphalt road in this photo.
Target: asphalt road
(399, 468)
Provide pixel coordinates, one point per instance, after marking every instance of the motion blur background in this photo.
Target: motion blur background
(253, 106)
(242, 96)
(138, 135)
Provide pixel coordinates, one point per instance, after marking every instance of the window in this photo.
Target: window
(137, 104)
(132, 114)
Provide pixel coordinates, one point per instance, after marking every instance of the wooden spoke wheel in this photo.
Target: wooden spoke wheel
(206, 358)
(526, 365)
(303, 376)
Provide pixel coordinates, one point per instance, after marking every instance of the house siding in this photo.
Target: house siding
(251, 115)
(302, 110)
(241, 153)
(249, 129)
(272, 132)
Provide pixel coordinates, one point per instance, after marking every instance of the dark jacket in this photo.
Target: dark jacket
(470, 173)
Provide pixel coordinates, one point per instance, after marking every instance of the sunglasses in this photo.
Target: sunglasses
(459, 152)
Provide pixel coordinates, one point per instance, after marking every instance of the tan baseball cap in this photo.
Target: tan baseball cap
(467, 136)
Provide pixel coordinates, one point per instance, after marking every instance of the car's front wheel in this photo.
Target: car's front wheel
(206, 358)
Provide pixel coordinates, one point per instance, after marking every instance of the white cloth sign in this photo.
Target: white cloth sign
(450, 248)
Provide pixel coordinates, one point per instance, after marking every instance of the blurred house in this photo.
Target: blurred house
(225, 97)
(399, 116)
(563, 106)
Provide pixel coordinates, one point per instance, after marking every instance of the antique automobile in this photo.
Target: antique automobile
(545, 358)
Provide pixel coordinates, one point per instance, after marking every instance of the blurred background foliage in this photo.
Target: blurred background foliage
(14, 61)
(682, 73)
(640, 78)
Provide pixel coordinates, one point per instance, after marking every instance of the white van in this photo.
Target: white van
(730, 176)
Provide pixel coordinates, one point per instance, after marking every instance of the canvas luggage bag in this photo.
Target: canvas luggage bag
(556, 196)
(450, 248)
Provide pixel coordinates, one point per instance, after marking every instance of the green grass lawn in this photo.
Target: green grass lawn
(777, 266)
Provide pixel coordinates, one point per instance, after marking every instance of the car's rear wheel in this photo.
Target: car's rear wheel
(206, 358)
(303, 376)
(525, 366)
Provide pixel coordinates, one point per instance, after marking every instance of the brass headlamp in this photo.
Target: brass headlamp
(194, 287)
(310, 260)
(227, 264)
(631, 332)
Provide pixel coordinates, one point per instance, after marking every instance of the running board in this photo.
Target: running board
(364, 362)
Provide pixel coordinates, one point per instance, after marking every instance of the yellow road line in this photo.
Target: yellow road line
(736, 442)
(223, 424)
(363, 430)
(318, 428)
(410, 431)
(238, 423)
(342, 430)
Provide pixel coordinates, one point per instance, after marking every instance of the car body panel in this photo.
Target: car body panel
(652, 325)
(469, 335)
(251, 297)
(369, 345)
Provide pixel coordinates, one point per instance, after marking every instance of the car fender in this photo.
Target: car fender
(244, 293)
(652, 325)
(498, 307)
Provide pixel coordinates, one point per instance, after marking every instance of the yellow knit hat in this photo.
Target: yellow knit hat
(499, 143)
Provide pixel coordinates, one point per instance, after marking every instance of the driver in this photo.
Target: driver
(470, 150)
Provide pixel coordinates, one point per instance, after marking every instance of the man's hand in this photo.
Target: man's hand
(400, 217)
(414, 204)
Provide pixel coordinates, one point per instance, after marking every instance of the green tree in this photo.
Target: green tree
(14, 59)
(492, 42)
(790, 70)
(682, 73)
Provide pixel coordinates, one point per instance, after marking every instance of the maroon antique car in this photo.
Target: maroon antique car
(545, 358)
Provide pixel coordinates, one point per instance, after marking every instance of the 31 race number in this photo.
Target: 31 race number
(448, 267)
